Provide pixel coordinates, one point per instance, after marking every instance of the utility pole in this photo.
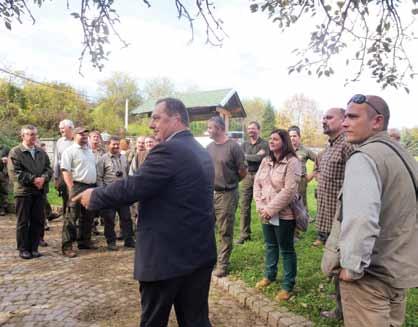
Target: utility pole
(126, 114)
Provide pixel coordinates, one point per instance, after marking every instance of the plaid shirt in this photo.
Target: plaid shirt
(331, 177)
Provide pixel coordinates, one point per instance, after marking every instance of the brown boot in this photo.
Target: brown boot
(69, 253)
(283, 295)
(263, 283)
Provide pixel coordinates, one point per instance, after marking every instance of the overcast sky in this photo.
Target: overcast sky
(253, 59)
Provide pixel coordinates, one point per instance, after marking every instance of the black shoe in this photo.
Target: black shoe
(53, 216)
(36, 254)
(112, 247)
(2, 212)
(129, 243)
(119, 237)
(25, 255)
(242, 240)
(43, 243)
(87, 246)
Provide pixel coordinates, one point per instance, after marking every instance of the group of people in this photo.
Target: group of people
(82, 159)
(367, 188)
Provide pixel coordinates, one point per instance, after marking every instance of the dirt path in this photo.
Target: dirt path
(94, 289)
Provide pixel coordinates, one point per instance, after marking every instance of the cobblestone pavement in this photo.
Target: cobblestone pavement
(94, 289)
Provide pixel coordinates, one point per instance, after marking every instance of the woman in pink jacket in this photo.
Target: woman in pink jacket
(275, 186)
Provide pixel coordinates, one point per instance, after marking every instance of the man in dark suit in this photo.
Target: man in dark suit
(175, 249)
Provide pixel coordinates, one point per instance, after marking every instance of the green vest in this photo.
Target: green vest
(395, 255)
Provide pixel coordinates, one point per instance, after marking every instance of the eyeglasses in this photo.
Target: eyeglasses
(360, 99)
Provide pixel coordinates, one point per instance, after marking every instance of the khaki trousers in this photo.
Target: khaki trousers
(246, 199)
(368, 302)
(225, 204)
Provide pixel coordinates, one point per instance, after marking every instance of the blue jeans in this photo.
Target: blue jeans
(280, 238)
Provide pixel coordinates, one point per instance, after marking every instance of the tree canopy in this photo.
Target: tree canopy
(371, 34)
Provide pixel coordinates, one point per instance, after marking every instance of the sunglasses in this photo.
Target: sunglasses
(360, 99)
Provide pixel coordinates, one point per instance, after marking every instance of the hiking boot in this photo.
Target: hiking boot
(220, 272)
(112, 247)
(263, 283)
(25, 255)
(2, 212)
(129, 243)
(87, 246)
(43, 243)
(283, 295)
(69, 253)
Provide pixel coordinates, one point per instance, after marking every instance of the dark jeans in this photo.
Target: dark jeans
(280, 239)
(125, 223)
(246, 199)
(30, 221)
(189, 295)
(77, 220)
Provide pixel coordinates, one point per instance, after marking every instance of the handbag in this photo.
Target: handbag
(300, 213)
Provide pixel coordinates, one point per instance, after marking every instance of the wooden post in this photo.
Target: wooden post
(226, 115)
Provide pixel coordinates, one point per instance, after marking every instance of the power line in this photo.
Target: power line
(45, 84)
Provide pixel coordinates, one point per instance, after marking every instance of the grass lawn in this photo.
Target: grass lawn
(313, 290)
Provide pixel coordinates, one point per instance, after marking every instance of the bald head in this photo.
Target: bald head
(394, 134)
(332, 122)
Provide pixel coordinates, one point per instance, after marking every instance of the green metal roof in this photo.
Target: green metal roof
(196, 101)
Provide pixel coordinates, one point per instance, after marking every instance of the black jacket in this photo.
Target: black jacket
(23, 169)
(176, 222)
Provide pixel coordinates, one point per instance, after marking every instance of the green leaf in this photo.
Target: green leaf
(415, 11)
(8, 25)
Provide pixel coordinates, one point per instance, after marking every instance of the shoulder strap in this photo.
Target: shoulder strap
(403, 160)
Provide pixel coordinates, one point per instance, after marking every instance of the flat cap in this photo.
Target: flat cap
(79, 130)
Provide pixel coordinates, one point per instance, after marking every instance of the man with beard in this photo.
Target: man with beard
(330, 181)
(255, 149)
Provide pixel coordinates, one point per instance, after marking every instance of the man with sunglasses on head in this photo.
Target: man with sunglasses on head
(379, 228)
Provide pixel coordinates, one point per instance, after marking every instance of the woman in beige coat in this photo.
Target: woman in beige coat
(275, 186)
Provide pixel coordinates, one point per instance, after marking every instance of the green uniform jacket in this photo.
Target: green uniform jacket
(23, 169)
(4, 152)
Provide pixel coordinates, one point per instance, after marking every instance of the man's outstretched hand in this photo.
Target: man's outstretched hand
(83, 197)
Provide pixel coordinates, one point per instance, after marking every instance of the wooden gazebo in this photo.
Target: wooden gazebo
(203, 105)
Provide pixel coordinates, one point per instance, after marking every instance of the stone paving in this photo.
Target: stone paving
(94, 289)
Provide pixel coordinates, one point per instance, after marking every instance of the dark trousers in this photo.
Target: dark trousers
(125, 223)
(63, 192)
(4, 190)
(246, 199)
(280, 240)
(30, 221)
(189, 295)
(77, 220)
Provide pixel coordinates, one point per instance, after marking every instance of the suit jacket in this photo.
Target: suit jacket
(174, 185)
